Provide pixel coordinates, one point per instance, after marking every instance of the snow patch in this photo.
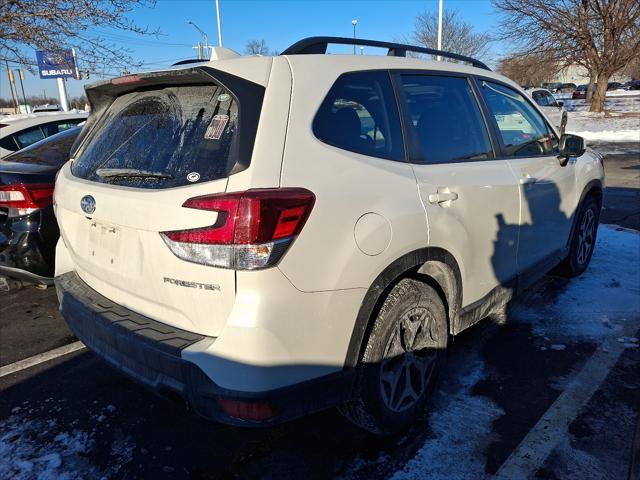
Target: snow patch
(462, 424)
(619, 123)
(610, 135)
(589, 308)
(39, 448)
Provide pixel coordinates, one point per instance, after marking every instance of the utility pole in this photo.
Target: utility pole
(439, 28)
(12, 86)
(354, 23)
(200, 47)
(219, 28)
(24, 97)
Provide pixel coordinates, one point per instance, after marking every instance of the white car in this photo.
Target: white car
(270, 236)
(551, 107)
(47, 108)
(19, 131)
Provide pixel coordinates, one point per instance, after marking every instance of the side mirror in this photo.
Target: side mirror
(571, 146)
(560, 104)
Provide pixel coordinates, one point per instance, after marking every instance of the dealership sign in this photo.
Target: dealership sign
(60, 64)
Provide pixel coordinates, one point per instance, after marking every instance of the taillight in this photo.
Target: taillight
(253, 229)
(255, 411)
(23, 199)
(127, 80)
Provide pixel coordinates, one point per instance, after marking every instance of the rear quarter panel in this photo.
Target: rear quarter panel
(347, 186)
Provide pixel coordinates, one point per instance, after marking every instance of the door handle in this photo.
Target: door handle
(527, 180)
(441, 198)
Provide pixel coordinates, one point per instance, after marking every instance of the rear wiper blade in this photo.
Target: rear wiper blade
(131, 173)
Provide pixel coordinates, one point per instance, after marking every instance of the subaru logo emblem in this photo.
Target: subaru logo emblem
(88, 204)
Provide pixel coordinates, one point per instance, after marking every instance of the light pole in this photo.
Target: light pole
(219, 28)
(24, 97)
(204, 35)
(439, 28)
(354, 23)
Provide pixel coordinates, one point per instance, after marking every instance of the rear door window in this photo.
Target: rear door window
(551, 100)
(57, 127)
(163, 138)
(53, 150)
(360, 114)
(29, 136)
(540, 98)
(446, 119)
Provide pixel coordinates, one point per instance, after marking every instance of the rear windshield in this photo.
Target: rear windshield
(53, 151)
(162, 138)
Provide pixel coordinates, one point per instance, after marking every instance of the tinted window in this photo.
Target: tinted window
(29, 136)
(523, 130)
(540, 98)
(52, 151)
(171, 132)
(544, 99)
(9, 143)
(360, 114)
(57, 127)
(446, 119)
(551, 100)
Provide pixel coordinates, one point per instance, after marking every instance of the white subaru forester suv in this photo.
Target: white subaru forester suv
(270, 236)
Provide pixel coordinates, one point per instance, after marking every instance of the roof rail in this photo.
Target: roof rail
(318, 45)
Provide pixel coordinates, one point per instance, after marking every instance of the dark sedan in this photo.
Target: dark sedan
(580, 92)
(28, 228)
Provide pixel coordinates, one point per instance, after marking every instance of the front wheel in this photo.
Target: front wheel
(583, 241)
(398, 369)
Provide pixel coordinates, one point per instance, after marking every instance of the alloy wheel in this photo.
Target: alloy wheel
(586, 236)
(408, 363)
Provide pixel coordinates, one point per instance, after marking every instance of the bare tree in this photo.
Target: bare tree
(78, 102)
(52, 25)
(600, 35)
(256, 47)
(458, 36)
(528, 70)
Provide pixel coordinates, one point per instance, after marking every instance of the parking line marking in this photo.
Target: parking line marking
(552, 427)
(41, 358)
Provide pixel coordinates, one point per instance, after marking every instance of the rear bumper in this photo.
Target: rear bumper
(150, 352)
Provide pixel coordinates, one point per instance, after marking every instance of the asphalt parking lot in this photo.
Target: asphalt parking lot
(551, 393)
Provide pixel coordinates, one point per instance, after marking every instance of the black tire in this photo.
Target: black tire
(583, 240)
(410, 306)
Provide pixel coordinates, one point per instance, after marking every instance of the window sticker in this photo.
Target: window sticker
(216, 127)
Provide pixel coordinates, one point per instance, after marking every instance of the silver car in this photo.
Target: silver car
(20, 131)
(551, 107)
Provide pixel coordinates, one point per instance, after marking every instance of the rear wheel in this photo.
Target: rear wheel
(399, 366)
(583, 241)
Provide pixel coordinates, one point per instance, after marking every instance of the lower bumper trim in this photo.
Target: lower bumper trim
(149, 352)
